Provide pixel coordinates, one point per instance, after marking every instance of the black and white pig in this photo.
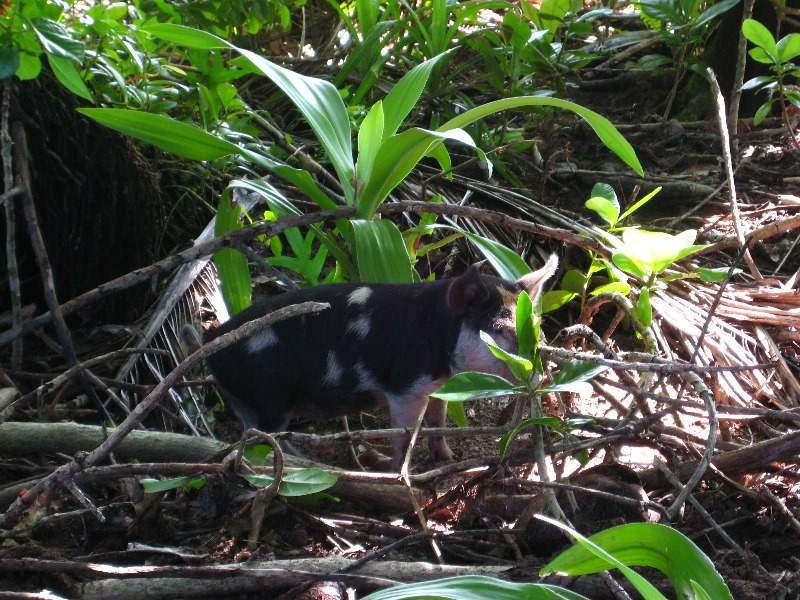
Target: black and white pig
(377, 344)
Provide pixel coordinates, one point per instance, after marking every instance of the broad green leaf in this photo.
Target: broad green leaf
(370, 136)
(232, 269)
(715, 274)
(578, 370)
(179, 138)
(543, 421)
(646, 545)
(398, 155)
(644, 587)
(615, 286)
(472, 385)
(298, 483)
(257, 453)
(320, 103)
(55, 40)
(655, 250)
(64, 70)
(713, 11)
(405, 94)
(644, 310)
(506, 263)
(761, 37)
(556, 299)
(381, 253)
(607, 210)
(474, 587)
(153, 486)
(789, 47)
(627, 263)
(29, 67)
(574, 281)
(526, 335)
(318, 100)
(9, 61)
(602, 126)
(521, 367)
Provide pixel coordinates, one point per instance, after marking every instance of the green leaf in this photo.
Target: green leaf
(55, 40)
(232, 269)
(543, 421)
(298, 483)
(474, 587)
(186, 36)
(64, 70)
(257, 454)
(381, 253)
(643, 308)
(526, 335)
(153, 486)
(759, 35)
(645, 545)
(574, 377)
(615, 286)
(370, 136)
(520, 366)
(789, 47)
(505, 262)
(602, 126)
(9, 61)
(607, 210)
(556, 299)
(29, 67)
(181, 139)
(405, 94)
(655, 250)
(398, 155)
(574, 281)
(472, 385)
(318, 100)
(628, 264)
(711, 275)
(457, 412)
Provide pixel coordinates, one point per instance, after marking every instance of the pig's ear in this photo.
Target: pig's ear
(533, 282)
(465, 290)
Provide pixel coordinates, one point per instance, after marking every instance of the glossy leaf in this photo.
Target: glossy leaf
(232, 269)
(474, 587)
(646, 545)
(605, 130)
(551, 422)
(297, 483)
(64, 70)
(472, 385)
(381, 253)
(169, 135)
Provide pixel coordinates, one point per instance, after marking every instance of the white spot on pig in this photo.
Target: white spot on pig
(265, 338)
(359, 296)
(366, 379)
(333, 371)
(359, 326)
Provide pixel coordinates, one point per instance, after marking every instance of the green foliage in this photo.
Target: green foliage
(377, 245)
(779, 56)
(636, 252)
(636, 544)
(303, 482)
(682, 24)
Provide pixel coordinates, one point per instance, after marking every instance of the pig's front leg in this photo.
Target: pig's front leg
(434, 417)
(405, 413)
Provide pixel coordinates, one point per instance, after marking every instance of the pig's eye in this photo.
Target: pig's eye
(497, 330)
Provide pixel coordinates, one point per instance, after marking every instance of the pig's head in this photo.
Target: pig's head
(490, 304)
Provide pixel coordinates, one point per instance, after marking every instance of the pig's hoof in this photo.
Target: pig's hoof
(439, 450)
